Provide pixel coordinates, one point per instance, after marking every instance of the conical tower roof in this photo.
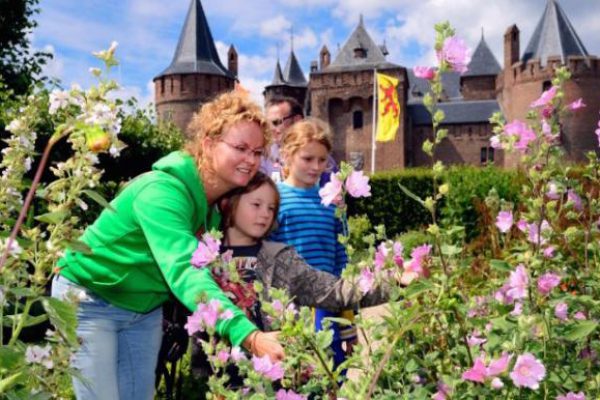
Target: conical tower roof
(278, 76)
(196, 51)
(359, 39)
(483, 62)
(292, 74)
(554, 36)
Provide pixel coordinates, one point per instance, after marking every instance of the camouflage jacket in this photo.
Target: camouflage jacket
(281, 267)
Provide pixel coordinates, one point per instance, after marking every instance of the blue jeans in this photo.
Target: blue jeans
(119, 348)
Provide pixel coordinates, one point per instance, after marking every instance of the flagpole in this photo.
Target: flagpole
(374, 130)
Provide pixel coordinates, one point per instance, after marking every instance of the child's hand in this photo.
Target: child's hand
(261, 343)
(348, 346)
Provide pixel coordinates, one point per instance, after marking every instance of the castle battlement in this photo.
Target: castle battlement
(532, 70)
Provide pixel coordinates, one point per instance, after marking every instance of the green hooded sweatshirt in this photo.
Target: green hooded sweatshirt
(141, 250)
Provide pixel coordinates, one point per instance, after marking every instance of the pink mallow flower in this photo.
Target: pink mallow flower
(535, 232)
(597, 131)
(572, 396)
(206, 252)
(443, 391)
(366, 280)
(528, 372)
(504, 221)
(552, 192)
(497, 384)
(398, 248)
(415, 268)
(546, 98)
(477, 373)
(523, 133)
(380, 256)
(206, 316)
(424, 72)
(577, 104)
(270, 370)
(283, 394)
(561, 310)
(456, 53)
(575, 199)
(549, 252)
(580, 316)
(357, 184)
(332, 190)
(518, 282)
(237, 354)
(547, 282)
(475, 339)
(39, 355)
(499, 365)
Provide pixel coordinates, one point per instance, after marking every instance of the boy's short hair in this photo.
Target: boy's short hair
(295, 107)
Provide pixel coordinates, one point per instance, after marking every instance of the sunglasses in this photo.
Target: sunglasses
(279, 121)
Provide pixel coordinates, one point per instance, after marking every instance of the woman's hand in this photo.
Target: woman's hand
(261, 343)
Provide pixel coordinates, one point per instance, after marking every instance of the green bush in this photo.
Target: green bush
(389, 206)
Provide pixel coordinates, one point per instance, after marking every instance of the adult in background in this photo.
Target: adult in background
(142, 248)
(282, 112)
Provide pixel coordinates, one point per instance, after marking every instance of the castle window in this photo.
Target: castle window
(182, 83)
(357, 119)
(546, 85)
(487, 155)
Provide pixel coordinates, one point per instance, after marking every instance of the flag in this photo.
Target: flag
(388, 108)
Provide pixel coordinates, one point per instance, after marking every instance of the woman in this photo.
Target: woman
(141, 251)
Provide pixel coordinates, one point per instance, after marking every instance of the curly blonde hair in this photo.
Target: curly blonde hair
(215, 117)
(302, 133)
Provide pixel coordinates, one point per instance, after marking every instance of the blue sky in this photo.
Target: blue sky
(148, 30)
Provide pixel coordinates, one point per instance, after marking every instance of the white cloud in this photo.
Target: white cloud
(276, 27)
(306, 40)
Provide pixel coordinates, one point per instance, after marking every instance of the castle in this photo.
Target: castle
(340, 91)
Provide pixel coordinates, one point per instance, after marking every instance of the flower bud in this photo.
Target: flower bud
(97, 139)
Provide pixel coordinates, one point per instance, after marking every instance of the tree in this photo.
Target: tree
(19, 66)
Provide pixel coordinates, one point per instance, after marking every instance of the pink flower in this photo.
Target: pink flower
(499, 365)
(497, 383)
(575, 199)
(39, 355)
(546, 98)
(477, 373)
(443, 391)
(577, 104)
(528, 372)
(518, 310)
(495, 142)
(380, 256)
(366, 280)
(206, 316)
(227, 256)
(455, 53)
(415, 268)
(560, 311)
(277, 306)
(206, 252)
(398, 250)
(237, 354)
(535, 233)
(223, 356)
(475, 340)
(424, 72)
(518, 282)
(332, 190)
(504, 221)
(580, 316)
(549, 252)
(572, 396)
(522, 132)
(522, 225)
(357, 185)
(547, 282)
(552, 192)
(264, 366)
(282, 394)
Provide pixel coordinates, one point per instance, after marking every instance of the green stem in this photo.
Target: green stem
(314, 348)
(17, 331)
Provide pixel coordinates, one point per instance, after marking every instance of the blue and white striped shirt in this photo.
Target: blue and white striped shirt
(310, 227)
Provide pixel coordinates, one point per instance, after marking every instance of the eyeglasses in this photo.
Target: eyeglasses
(279, 121)
(245, 150)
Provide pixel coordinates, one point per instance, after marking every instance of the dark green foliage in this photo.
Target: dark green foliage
(19, 66)
(389, 206)
(469, 187)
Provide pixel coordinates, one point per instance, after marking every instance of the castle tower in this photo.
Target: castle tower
(479, 82)
(341, 93)
(289, 83)
(232, 61)
(553, 43)
(195, 75)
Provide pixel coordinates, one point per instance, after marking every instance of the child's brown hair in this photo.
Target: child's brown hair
(302, 133)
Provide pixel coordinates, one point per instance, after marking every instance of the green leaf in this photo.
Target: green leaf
(53, 218)
(97, 197)
(503, 324)
(411, 194)
(9, 358)
(23, 292)
(79, 247)
(579, 330)
(416, 288)
(451, 250)
(63, 315)
(500, 265)
(9, 382)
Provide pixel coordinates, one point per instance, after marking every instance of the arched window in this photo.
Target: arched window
(357, 119)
